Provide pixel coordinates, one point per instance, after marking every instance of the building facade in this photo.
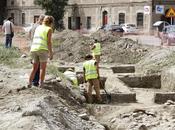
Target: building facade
(23, 11)
(92, 14)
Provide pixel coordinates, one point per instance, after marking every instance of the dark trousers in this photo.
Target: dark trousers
(8, 40)
(36, 78)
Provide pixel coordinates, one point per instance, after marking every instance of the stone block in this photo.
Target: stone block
(163, 97)
(167, 79)
(119, 97)
(123, 69)
(141, 81)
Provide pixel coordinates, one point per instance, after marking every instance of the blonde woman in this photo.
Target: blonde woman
(41, 49)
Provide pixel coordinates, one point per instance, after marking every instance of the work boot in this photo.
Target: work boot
(100, 101)
(29, 85)
(41, 85)
(89, 99)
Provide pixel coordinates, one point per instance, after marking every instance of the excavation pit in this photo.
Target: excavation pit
(123, 69)
(141, 81)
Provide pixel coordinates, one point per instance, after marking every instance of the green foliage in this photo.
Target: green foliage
(9, 56)
(53, 70)
(55, 8)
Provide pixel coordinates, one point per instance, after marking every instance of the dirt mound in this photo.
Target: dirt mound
(40, 109)
(114, 49)
(66, 34)
(156, 61)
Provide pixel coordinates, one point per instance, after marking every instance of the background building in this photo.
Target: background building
(92, 14)
(23, 11)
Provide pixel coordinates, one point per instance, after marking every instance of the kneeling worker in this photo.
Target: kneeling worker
(91, 74)
(71, 76)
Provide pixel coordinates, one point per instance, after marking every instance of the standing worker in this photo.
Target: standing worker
(91, 74)
(96, 51)
(31, 35)
(8, 28)
(41, 49)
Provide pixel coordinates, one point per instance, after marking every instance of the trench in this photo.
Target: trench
(143, 90)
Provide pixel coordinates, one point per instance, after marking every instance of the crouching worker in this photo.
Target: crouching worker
(91, 75)
(71, 76)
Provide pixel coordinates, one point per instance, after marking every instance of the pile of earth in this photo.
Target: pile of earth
(72, 47)
(57, 107)
(156, 61)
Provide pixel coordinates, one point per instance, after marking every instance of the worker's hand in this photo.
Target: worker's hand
(50, 56)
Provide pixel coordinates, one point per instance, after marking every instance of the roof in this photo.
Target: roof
(158, 23)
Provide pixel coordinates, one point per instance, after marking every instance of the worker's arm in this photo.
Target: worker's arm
(96, 64)
(50, 44)
(3, 28)
(93, 47)
(84, 78)
(12, 26)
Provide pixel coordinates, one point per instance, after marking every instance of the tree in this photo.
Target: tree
(56, 8)
(2, 10)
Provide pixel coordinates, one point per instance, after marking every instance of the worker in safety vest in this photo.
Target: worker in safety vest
(71, 76)
(35, 81)
(96, 50)
(91, 74)
(41, 49)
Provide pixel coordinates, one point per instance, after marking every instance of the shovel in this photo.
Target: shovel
(108, 96)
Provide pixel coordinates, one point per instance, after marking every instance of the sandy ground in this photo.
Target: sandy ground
(116, 116)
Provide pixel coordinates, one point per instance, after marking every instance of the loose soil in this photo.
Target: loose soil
(42, 109)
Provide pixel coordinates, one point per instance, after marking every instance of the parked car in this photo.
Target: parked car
(115, 29)
(27, 27)
(129, 28)
(159, 27)
(168, 35)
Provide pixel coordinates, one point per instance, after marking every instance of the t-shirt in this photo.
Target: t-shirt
(32, 30)
(6, 27)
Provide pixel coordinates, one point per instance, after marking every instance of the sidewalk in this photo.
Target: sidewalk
(145, 39)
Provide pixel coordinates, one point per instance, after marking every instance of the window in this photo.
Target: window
(105, 18)
(23, 18)
(23, 2)
(121, 18)
(88, 24)
(139, 19)
(77, 22)
(69, 23)
(12, 2)
(36, 17)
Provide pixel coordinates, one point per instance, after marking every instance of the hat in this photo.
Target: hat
(70, 69)
(88, 57)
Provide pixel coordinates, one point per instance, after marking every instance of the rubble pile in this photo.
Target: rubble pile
(151, 119)
(114, 49)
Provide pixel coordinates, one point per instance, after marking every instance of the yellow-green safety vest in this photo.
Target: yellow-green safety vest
(97, 49)
(90, 69)
(40, 39)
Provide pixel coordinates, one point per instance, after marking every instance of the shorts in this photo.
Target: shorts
(39, 56)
